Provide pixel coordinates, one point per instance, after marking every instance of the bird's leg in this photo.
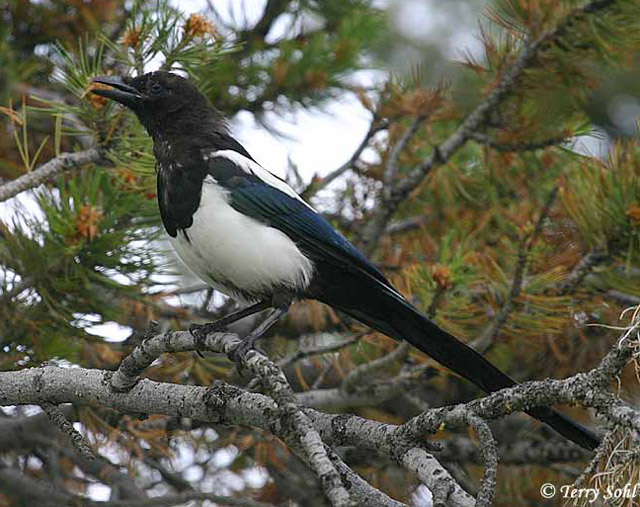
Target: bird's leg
(200, 331)
(249, 341)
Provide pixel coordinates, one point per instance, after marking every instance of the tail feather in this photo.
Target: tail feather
(389, 313)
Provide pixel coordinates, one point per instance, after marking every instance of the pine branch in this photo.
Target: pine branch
(474, 121)
(584, 266)
(15, 484)
(107, 473)
(304, 438)
(585, 389)
(49, 170)
(223, 403)
(625, 299)
(173, 479)
(435, 301)
(28, 432)
(371, 393)
(38, 432)
(272, 11)
(227, 404)
(315, 186)
(357, 376)
(490, 334)
(373, 496)
(405, 224)
(302, 353)
(517, 147)
(607, 440)
(45, 493)
(398, 148)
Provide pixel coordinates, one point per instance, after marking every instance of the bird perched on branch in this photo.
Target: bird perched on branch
(247, 233)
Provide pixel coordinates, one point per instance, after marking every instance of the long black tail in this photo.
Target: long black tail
(388, 313)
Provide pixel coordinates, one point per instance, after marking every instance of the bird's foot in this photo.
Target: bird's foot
(204, 329)
(244, 347)
(200, 332)
(249, 341)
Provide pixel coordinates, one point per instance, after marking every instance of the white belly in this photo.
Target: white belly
(236, 254)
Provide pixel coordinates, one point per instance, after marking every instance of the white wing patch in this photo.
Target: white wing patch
(251, 167)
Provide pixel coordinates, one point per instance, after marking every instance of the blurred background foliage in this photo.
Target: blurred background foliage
(527, 235)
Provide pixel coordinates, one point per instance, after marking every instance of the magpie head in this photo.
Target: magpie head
(159, 99)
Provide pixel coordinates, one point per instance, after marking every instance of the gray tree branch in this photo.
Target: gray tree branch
(221, 404)
(226, 404)
(48, 171)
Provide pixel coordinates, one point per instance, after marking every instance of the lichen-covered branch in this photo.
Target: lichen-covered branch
(221, 403)
(66, 428)
(305, 429)
(460, 449)
(305, 438)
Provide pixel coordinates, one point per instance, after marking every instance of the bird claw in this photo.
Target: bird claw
(203, 330)
(243, 348)
(200, 332)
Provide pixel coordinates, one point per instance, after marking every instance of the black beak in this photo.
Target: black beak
(121, 92)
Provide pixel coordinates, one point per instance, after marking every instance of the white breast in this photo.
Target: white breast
(232, 251)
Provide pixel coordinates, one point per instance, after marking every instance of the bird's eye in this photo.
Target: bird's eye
(156, 88)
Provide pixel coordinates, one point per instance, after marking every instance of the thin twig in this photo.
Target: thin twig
(518, 146)
(366, 370)
(584, 266)
(489, 452)
(462, 450)
(272, 11)
(301, 353)
(625, 299)
(435, 301)
(66, 428)
(323, 375)
(490, 334)
(603, 448)
(398, 148)
(373, 496)
(317, 185)
(405, 224)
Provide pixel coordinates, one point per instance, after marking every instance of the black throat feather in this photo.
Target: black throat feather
(181, 153)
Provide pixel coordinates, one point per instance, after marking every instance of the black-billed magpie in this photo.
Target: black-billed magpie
(247, 233)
